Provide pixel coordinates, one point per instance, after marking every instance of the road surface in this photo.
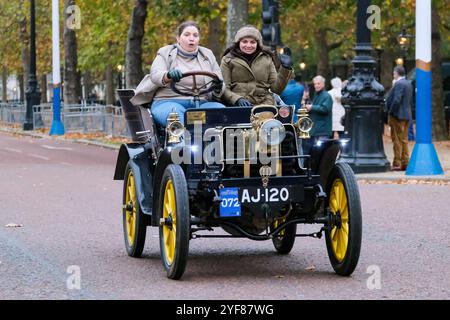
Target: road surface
(69, 242)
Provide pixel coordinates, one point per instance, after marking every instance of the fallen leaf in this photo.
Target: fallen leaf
(279, 277)
(311, 268)
(14, 225)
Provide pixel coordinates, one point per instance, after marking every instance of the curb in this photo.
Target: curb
(42, 136)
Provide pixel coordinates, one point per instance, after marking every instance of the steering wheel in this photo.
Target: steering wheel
(196, 90)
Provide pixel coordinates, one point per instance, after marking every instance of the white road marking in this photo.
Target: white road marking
(56, 148)
(14, 150)
(39, 157)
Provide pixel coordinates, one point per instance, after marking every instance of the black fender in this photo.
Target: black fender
(141, 163)
(324, 157)
(164, 159)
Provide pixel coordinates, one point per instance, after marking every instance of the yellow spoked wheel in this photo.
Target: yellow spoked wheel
(169, 215)
(174, 231)
(339, 208)
(134, 222)
(343, 238)
(130, 208)
(284, 241)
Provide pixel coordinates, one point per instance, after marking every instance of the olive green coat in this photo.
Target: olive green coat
(252, 83)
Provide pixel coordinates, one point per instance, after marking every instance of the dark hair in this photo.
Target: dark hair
(400, 70)
(186, 24)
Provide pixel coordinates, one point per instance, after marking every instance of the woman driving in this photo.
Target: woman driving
(170, 64)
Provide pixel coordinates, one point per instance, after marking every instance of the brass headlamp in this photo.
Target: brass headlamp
(174, 128)
(304, 124)
(267, 127)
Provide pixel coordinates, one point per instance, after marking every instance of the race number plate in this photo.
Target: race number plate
(229, 202)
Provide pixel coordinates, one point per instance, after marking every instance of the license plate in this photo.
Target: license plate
(264, 195)
(231, 199)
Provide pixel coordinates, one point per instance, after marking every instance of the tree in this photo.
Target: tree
(133, 55)
(237, 17)
(71, 75)
(439, 127)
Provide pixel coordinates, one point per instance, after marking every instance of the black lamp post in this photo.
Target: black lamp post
(404, 41)
(363, 98)
(33, 95)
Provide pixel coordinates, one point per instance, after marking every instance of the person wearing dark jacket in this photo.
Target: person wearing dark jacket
(249, 71)
(398, 107)
(320, 112)
(292, 95)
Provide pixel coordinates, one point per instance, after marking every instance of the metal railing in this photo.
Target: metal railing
(108, 119)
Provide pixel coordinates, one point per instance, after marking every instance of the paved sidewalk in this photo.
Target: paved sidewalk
(391, 177)
(443, 150)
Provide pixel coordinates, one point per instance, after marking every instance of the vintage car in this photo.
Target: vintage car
(238, 168)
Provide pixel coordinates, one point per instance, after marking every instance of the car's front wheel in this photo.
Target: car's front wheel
(344, 238)
(174, 230)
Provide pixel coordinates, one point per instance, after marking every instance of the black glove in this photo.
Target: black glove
(217, 85)
(286, 61)
(175, 75)
(242, 102)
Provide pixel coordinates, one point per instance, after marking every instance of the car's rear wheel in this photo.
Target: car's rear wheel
(284, 240)
(134, 222)
(344, 238)
(174, 231)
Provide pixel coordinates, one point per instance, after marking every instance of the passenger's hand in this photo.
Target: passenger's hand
(175, 75)
(242, 102)
(286, 61)
(217, 85)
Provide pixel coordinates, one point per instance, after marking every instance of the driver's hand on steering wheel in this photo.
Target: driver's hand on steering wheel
(175, 75)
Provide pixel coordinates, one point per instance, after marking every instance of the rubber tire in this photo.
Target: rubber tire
(344, 172)
(141, 223)
(178, 266)
(285, 245)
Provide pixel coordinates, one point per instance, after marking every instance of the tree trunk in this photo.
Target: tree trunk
(439, 128)
(386, 67)
(215, 31)
(25, 42)
(22, 86)
(71, 76)
(133, 54)
(4, 85)
(109, 85)
(323, 63)
(237, 17)
(87, 83)
(44, 88)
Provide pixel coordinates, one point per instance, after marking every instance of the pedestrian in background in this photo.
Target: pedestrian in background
(398, 107)
(293, 94)
(320, 112)
(338, 110)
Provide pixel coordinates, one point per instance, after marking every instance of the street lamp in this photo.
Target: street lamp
(363, 97)
(400, 61)
(120, 69)
(33, 95)
(404, 41)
